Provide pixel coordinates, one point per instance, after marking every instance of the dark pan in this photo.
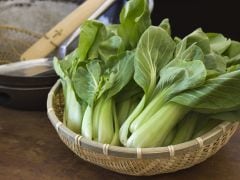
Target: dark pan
(24, 98)
(25, 85)
(34, 73)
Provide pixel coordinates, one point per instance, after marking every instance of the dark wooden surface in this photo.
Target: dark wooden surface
(31, 149)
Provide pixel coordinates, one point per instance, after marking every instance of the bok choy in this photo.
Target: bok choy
(135, 85)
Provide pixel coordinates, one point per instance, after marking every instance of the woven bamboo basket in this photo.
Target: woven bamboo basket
(138, 161)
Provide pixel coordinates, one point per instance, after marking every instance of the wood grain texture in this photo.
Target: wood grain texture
(31, 149)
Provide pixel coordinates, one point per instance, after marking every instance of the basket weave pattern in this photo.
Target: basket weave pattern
(137, 161)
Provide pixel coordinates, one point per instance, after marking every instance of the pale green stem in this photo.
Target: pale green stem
(115, 140)
(87, 130)
(155, 130)
(186, 128)
(96, 114)
(72, 110)
(148, 111)
(168, 140)
(106, 122)
(124, 130)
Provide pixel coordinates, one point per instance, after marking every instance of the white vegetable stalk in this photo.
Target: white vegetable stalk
(72, 110)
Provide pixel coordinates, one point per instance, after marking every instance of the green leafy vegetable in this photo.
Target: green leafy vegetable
(218, 42)
(92, 33)
(214, 95)
(151, 56)
(165, 25)
(134, 20)
(110, 48)
(131, 84)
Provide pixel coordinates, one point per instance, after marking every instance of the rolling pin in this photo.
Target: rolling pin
(52, 39)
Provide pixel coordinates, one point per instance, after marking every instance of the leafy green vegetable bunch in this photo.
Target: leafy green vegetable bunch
(132, 84)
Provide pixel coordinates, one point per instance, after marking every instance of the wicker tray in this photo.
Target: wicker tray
(138, 161)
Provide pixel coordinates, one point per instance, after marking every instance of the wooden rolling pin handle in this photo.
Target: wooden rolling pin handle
(53, 35)
(51, 40)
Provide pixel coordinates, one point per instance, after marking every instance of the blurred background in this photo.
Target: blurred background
(187, 15)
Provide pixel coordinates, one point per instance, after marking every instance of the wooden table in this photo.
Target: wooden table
(31, 149)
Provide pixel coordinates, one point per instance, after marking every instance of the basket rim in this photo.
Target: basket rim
(136, 153)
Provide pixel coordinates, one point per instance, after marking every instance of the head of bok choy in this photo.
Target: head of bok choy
(133, 84)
